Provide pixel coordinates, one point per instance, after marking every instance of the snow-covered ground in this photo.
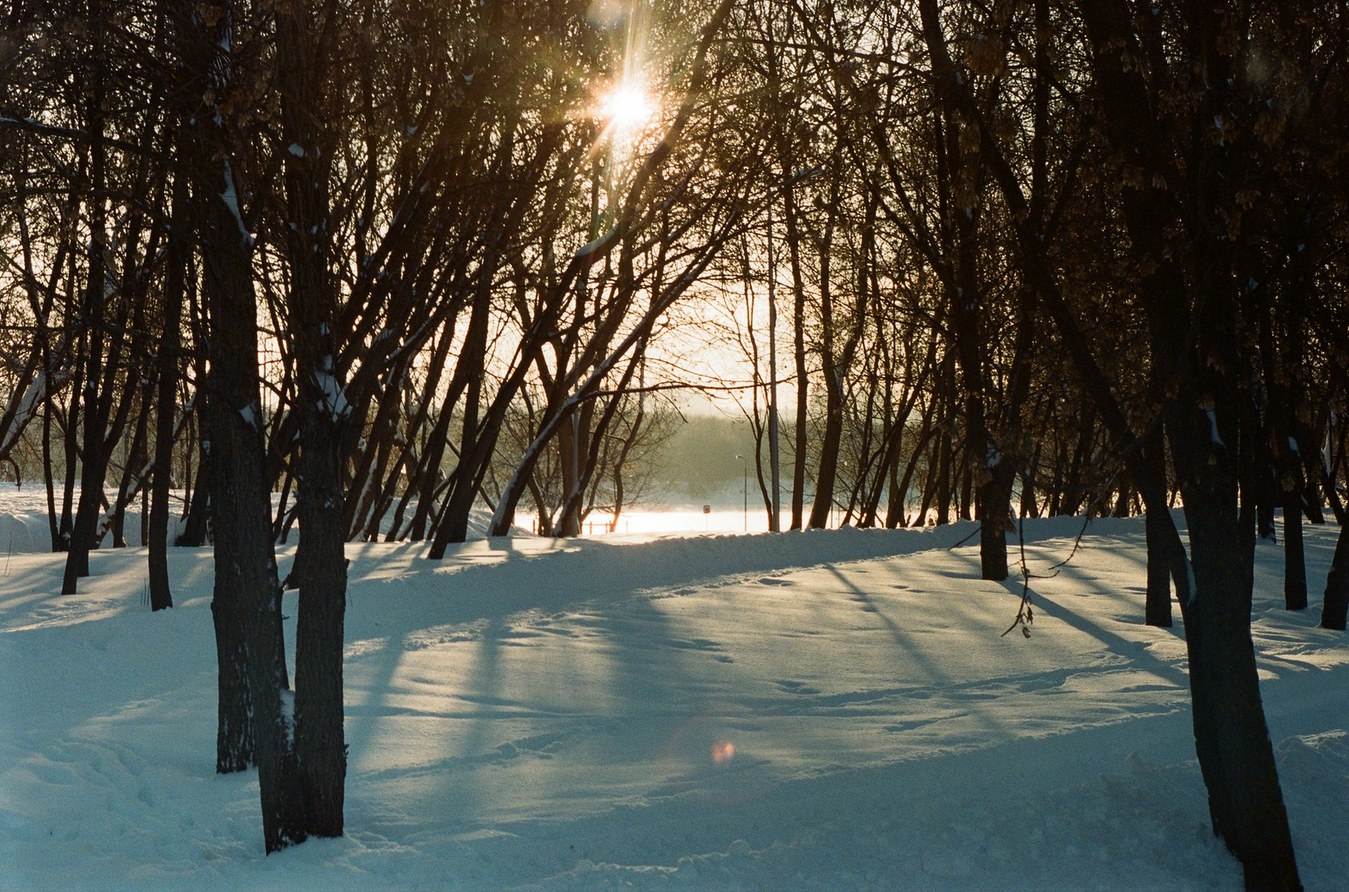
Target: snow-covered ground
(824, 710)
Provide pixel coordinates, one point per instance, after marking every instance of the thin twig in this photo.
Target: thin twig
(976, 531)
(1025, 613)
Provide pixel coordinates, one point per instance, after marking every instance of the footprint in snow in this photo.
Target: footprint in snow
(694, 644)
(796, 687)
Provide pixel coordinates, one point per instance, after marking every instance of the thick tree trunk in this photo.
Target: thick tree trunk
(1231, 738)
(995, 511)
(234, 709)
(1204, 427)
(1336, 606)
(246, 603)
(247, 596)
(320, 746)
(1157, 602)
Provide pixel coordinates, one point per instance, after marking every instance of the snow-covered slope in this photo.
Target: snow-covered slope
(801, 711)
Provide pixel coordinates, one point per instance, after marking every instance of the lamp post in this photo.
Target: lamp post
(744, 485)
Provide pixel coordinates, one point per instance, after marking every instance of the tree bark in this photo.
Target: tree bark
(320, 746)
(1204, 421)
(246, 603)
(1231, 738)
(1294, 551)
(1166, 555)
(1336, 606)
(93, 461)
(799, 456)
(832, 366)
(1232, 741)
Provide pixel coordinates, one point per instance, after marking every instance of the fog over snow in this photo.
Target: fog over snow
(820, 710)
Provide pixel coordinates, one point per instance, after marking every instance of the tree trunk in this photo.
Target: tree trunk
(960, 174)
(1166, 555)
(320, 747)
(832, 366)
(246, 603)
(194, 533)
(1294, 554)
(944, 472)
(320, 744)
(801, 433)
(995, 511)
(93, 461)
(234, 750)
(1336, 606)
(1231, 738)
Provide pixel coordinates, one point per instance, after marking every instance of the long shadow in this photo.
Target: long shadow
(867, 816)
(491, 600)
(904, 641)
(528, 581)
(1134, 652)
(916, 652)
(1267, 571)
(30, 588)
(1041, 558)
(604, 683)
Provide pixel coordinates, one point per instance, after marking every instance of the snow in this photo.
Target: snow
(231, 198)
(1213, 428)
(24, 528)
(288, 716)
(334, 401)
(23, 407)
(793, 711)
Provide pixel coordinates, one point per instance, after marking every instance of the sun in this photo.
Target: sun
(627, 108)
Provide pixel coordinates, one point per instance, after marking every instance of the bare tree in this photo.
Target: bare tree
(256, 707)
(1195, 325)
(305, 50)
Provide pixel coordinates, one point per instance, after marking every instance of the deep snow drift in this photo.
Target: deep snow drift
(800, 711)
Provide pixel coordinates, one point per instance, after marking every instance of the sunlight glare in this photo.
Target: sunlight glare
(627, 108)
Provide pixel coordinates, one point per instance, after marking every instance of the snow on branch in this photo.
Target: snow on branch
(332, 398)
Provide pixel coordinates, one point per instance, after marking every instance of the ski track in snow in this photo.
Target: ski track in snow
(801, 711)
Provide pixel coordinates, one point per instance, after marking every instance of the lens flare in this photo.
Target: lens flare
(627, 108)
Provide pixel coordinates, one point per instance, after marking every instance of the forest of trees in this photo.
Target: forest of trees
(355, 269)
